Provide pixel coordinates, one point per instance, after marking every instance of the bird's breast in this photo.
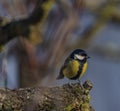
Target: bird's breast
(71, 69)
(84, 68)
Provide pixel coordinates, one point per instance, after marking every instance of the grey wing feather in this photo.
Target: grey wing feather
(61, 76)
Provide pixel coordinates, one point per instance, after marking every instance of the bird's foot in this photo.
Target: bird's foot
(80, 83)
(70, 84)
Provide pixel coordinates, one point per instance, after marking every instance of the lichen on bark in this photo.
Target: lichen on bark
(69, 97)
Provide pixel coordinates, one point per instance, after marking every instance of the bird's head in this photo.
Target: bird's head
(79, 54)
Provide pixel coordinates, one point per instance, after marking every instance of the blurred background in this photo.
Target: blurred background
(37, 35)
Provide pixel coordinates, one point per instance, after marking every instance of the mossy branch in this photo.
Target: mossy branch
(74, 97)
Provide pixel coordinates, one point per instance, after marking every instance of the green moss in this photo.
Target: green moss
(78, 99)
(85, 107)
(82, 106)
(7, 107)
(47, 105)
(69, 107)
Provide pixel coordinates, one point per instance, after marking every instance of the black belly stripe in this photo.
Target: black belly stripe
(78, 73)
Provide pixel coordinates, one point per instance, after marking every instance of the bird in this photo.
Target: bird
(75, 65)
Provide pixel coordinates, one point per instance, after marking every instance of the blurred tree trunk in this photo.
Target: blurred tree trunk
(74, 97)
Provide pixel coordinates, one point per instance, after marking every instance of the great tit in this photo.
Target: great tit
(75, 65)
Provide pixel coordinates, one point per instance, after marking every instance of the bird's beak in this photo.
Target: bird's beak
(87, 57)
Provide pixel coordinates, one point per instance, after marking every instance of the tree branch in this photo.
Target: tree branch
(22, 27)
(72, 97)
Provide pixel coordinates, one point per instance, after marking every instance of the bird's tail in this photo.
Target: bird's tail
(60, 76)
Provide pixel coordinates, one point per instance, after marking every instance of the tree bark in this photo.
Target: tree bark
(69, 97)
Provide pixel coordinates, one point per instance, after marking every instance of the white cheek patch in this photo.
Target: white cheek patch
(79, 57)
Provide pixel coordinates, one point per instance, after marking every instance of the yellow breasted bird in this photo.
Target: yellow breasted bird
(75, 65)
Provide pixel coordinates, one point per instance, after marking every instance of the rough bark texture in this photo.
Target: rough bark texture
(69, 97)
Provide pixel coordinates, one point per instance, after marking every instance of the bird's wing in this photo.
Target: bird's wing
(61, 75)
